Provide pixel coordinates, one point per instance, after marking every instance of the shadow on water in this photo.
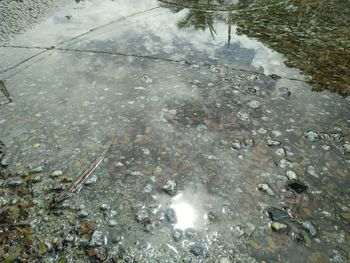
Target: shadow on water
(314, 36)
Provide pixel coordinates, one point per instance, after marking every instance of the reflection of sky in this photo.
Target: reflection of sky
(190, 208)
(153, 33)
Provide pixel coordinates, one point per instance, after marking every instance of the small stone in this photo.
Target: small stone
(92, 179)
(284, 163)
(311, 170)
(276, 226)
(248, 144)
(278, 215)
(270, 142)
(238, 231)
(236, 145)
(196, 250)
(105, 207)
(308, 227)
(170, 187)
(281, 152)
(112, 222)
(265, 188)
(96, 239)
(243, 116)
(254, 104)
(297, 187)
(177, 235)
(311, 136)
(326, 147)
(56, 173)
(15, 181)
(38, 169)
(262, 131)
(291, 175)
(337, 137)
(143, 216)
(286, 95)
(5, 163)
(170, 216)
(346, 148)
(147, 79)
(37, 178)
(83, 214)
(224, 260)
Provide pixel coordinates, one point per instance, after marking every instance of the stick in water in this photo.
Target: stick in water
(75, 184)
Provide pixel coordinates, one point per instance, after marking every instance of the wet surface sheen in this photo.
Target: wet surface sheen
(221, 152)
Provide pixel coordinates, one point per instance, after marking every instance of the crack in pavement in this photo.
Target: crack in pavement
(116, 53)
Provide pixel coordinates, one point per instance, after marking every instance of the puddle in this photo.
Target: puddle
(221, 152)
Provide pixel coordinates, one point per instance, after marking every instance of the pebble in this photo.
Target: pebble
(270, 142)
(56, 173)
(170, 216)
(196, 250)
(38, 169)
(105, 207)
(254, 104)
(224, 260)
(291, 175)
(92, 179)
(243, 116)
(266, 189)
(15, 181)
(143, 216)
(96, 239)
(311, 170)
(276, 226)
(311, 136)
(309, 228)
(281, 152)
(170, 187)
(5, 163)
(326, 147)
(346, 148)
(177, 235)
(238, 231)
(262, 131)
(284, 163)
(236, 145)
(112, 222)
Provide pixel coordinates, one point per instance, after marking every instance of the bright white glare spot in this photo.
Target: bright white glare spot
(185, 215)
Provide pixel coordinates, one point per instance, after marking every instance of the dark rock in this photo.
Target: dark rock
(196, 250)
(278, 215)
(308, 227)
(15, 181)
(274, 77)
(170, 216)
(297, 187)
(177, 235)
(286, 95)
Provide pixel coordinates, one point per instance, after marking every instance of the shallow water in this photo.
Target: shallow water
(210, 128)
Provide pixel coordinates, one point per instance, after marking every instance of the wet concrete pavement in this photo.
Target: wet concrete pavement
(208, 143)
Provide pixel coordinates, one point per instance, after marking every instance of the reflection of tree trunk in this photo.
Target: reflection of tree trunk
(229, 23)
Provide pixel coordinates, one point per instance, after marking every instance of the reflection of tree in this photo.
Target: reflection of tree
(199, 15)
(314, 35)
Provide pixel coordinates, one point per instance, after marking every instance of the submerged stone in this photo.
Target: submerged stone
(254, 104)
(278, 215)
(297, 187)
(265, 188)
(312, 136)
(196, 250)
(170, 187)
(308, 227)
(277, 227)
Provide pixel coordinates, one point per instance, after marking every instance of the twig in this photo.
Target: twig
(75, 185)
